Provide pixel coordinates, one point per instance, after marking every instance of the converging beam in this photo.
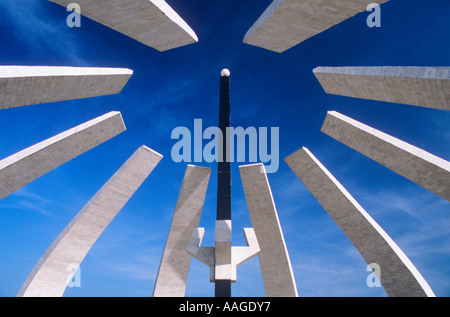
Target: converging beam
(31, 85)
(418, 86)
(174, 268)
(151, 22)
(49, 278)
(286, 23)
(276, 270)
(397, 274)
(29, 164)
(415, 164)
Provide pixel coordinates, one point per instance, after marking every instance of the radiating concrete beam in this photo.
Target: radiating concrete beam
(29, 164)
(151, 22)
(50, 276)
(417, 165)
(175, 262)
(418, 86)
(276, 270)
(30, 85)
(397, 274)
(286, 23)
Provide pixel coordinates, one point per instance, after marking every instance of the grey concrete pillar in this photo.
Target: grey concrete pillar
(397, 274)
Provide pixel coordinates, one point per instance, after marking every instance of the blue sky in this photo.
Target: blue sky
(173, 88)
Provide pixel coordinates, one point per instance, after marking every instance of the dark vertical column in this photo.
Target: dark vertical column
(223, 287)
(224, 171)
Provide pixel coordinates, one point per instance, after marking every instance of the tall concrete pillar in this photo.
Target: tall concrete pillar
(151, 22)
(175, 262)
(31, 85)
(276, 269)
(29, 164)
(286, 23)
(417, 165)
(418, 86)
(50, 276)
(397, 274)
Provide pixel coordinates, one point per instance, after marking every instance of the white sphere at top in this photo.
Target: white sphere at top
(225, 72)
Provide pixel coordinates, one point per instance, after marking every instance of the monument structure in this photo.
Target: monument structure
(151, 22)
(49, 278)
(29, 164)
(223, 258)
(286, 23)
(30, 85)
(398, 275)
(415, 164)
(418, 86)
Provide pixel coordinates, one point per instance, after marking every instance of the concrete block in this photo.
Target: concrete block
(417, 86)
(397, 274)
(286, 23)
(176, 260)
(151, 22)
(29, 164)
(31, 85)
(413, 163)
(50, 276)
(276, 270)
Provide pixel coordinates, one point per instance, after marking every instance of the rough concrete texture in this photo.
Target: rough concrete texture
(50, 276)
(417, 165)
(30, 85)
(418, 86)
(151, 22)
(175, 262)
(397, 274)
(286, 23)
(31, 163)
(276, 270)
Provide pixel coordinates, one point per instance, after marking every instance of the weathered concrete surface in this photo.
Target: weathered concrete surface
(50, 276)
(397, 274)
(418, 86)
(30, 85)
(286, 23)
(176, 260)
(417, 165)
(151, 22)
(276, 270)
(31, 163)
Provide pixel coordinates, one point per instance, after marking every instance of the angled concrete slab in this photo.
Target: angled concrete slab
(413, 163)
(31, 85)
(397, 274)
(31, 163)
(175, 262)
(286, 23)
(418, 86)
(276, 270)
(50, 276)
(151, 22)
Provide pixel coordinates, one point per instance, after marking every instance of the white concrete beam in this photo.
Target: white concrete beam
(29, 164)
(175, 262)
(413, 163)
(31, 85)
(286, 23)
(276, 270)
(418, 86)
(50, 276)
(397, 274)
(151, 22)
